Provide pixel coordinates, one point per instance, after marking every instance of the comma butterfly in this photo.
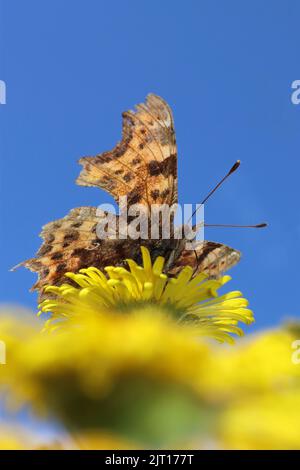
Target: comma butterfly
(143, 167)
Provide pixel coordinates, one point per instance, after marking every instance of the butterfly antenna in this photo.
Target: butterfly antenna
(232, 170)
(262, 225)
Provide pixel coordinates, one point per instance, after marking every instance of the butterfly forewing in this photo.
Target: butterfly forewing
(143, 166)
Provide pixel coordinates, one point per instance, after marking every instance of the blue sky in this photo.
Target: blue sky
(226, 69)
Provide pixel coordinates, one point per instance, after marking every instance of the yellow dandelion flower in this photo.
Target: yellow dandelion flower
(184, 298)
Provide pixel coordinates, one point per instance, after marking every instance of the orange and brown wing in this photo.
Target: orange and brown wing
(71, 243)
(143, 165)
(209, 257)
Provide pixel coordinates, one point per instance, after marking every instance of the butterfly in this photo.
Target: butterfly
(143, 167)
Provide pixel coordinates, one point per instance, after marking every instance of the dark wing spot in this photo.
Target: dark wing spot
(44, 250)
(169, 165)
(209, 247)
(155, 194)
(71, 236)
(136, 161)
(77, 224)
(165, 193)
(128, 177)
(105, 158)
(154, 168)
(134, 196)
(166, 167)
(61, 267)
(57, 255)
(45, 272)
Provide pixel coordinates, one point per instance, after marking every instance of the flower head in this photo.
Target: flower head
(185, 298)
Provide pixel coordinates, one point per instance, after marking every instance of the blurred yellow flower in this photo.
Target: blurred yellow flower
(261, 363)
(96, 440)
(16, 437)
(270, 421)
(14, 334)
(256, 387)
(146, 381)
(138, 376)
(10, 440)
(184, 298)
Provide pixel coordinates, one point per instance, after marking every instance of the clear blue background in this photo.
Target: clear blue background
(225, 67)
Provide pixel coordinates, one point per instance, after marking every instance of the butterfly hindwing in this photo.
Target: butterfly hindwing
(209, 257)
(70, 243)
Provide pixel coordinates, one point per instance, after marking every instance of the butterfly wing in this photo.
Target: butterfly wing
(71, 243)
(143, 165)
(210, 257)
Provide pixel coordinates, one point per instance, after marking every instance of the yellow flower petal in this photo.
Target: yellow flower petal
(189, 299)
